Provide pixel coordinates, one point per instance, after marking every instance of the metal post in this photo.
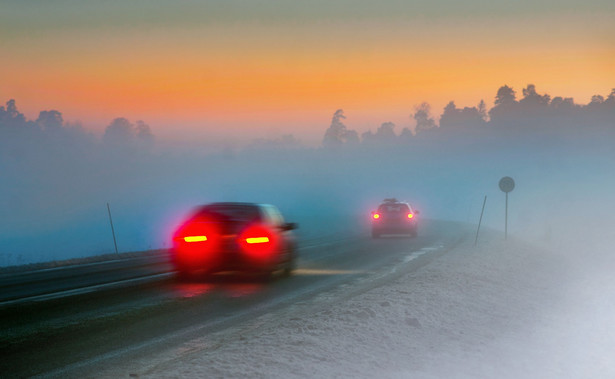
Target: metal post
(480, 220)
(506, 219)
(506, 184)
(112, 230)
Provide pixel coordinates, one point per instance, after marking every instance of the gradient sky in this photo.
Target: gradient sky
(262, 68)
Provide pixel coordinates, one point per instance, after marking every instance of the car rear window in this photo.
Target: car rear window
(230, 212)
(394, 208)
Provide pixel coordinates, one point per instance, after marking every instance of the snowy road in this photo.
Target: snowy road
(430, 307)
(499, 310)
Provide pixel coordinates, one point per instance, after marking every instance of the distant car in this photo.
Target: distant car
(394, 217)
(240, 237)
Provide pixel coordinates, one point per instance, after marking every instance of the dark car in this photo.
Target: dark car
(394, 217)
(240, 237)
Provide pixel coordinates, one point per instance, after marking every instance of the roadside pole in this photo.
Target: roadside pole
(112, 230)
(480, 220)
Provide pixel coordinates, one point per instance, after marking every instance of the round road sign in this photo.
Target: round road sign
(507, 184)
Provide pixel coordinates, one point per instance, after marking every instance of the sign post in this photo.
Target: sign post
(507, 184)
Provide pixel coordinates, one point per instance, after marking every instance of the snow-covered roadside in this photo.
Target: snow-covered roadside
(504, 309)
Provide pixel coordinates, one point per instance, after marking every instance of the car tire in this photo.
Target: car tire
(287, 272)
(290, 266)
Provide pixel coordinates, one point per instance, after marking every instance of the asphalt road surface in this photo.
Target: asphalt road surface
(76, 333)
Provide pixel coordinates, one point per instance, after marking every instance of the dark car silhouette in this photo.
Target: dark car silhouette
(240, 237)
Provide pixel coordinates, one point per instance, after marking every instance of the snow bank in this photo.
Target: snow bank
(504, 309)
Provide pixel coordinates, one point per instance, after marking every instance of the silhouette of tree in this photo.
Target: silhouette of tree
(406, 135)
(596, 100)
(352, 137)
(482, 110)
(11, 109)
(601, 111)
(532, 101)
(503, 112)
(385, 134)
(119, 131)
(560, 103)
(334, 136)
(337, 134)
(464, 120)
(50, 120)
(422, 116)
(368, 137)
(144, 133)
(10, 116)
(505, 96)
(449, 114)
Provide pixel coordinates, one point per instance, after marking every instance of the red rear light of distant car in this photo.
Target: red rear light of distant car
(258, 241)
(410, 215)
(376, 216)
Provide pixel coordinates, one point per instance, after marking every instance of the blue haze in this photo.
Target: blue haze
(56, 178)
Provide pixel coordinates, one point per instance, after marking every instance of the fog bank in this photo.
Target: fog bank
(57, 178)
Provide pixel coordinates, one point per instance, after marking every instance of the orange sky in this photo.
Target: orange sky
(258, 79)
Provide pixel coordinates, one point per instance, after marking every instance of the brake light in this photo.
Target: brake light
(195, 238)
(258, 241)
(376, 216)
(196, 235)
(410, 215)
(195, 243)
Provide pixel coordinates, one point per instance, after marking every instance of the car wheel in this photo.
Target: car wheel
(289, 267)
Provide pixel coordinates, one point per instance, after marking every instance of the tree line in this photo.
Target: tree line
(533, 116)
(18, 132)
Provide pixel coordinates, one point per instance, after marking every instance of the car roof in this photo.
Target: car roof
(236, 204)
(394, 203)
(232, 204)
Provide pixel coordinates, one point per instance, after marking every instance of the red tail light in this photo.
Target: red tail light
(194, 232)
(258, 241)
(410, 215)
(195, 238)
(194, 242)
(376, 216)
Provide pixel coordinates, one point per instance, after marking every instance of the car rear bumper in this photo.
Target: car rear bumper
(222, 260)
(393, 228)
